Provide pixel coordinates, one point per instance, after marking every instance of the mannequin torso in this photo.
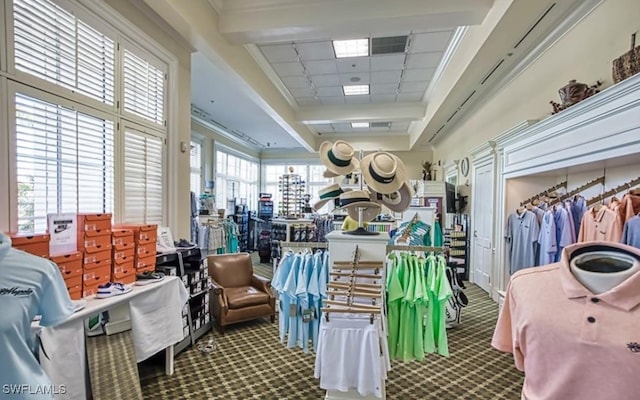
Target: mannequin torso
(601, 271)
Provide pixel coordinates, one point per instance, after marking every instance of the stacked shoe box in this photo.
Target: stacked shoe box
(123, 268)
(70, 266)
(94, 240)
(37, 245)
(145, 237)
(185, 321)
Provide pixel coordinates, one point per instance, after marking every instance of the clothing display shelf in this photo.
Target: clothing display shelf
(458, 244)
(618, 189)
(544, 193)
(292, 190)
(373, 226)
(191, 268)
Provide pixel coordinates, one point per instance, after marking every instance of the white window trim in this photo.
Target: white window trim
(5, 160)
(231, 151)
(202, 157)
(3, 39)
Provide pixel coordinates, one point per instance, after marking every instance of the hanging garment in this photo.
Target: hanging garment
(578, 209)
(563, 230)
(522, 233)
(603, 225)
(547, 239)
(629, 206)
(631, 232)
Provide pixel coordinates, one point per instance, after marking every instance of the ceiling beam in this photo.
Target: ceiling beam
(361, 112)
(245, 22)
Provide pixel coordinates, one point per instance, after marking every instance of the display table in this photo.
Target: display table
(156, 323)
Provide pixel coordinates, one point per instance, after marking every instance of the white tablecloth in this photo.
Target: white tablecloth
(156, 322)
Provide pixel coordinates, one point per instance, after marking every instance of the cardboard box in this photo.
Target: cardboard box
(146, 249)
(95, 255)
(76, 294)
(144, 263)
(126, 277)
(97, 265)
(122, 239)
(97, 276)
(120, 256)
(96, 240)
(70, 265)
(123, 269)
(90, 290)
(74, 283)
(143, 233)
(94, 222)
(36, 244)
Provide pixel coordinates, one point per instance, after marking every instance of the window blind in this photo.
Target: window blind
(52, 44)
(64, 162)
(143, 177)
(143, 88)
(196, 167)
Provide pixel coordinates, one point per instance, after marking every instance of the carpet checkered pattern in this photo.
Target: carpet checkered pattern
(250, 363)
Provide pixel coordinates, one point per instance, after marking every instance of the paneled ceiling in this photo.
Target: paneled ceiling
(271, 67)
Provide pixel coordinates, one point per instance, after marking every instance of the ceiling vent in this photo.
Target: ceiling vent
(238, 133)
(380, 124)
(491, 71)
(388, 45)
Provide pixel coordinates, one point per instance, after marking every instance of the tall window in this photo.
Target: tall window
(236, 179)
(311, 174)
(196, 168)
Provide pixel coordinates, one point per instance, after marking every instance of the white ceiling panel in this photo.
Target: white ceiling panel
(423, 60)
(325, 80)
(400, 125)
(342, 127)
(410, 87)
(406, 97)
(345, 79)
(322, 127)
(330, 91)
(362, 99)
(350, 65)
(434, 41)
(387, 63)
(308, 101)
(332, 100)
(279, 53)
(321, 67)
(303, 92)
(386, 76)
(414, 75)
(288, 69)
(383, 98)
(294, 82)
(315, 50)
(384, 88)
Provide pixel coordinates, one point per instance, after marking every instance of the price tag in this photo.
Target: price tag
(307, 315)
(292, 310)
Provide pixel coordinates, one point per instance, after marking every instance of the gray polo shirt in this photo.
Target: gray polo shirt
(522, 237)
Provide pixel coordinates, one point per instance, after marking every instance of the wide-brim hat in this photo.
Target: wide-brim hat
(397, 201)
(338, 157)
(359, 199)
(326, 194)
(383, 172)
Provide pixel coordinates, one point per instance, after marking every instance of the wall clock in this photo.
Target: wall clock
(464, 166)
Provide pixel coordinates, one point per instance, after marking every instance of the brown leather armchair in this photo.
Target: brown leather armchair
(237, 294)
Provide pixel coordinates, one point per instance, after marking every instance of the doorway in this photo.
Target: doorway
(482, 224)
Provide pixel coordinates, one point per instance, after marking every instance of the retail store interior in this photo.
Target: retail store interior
(305, 199)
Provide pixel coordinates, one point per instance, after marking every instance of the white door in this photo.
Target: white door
(482, 226)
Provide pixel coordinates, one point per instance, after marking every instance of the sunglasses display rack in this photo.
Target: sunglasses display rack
(292, 201)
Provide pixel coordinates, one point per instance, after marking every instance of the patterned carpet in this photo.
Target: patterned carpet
(249, 362)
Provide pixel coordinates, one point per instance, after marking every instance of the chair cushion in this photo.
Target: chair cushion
(245, 296)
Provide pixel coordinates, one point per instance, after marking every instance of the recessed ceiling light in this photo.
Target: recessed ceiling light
(359, 124)
(355, 79)
(351, 48)
(352, 90)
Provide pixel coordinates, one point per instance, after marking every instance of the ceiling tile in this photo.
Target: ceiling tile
(303, 92)
(345, 79)
(386, 76)
(423, 60)
(325, 80)
(294, 82)
(416, 96)
(330, 91)
(288, 69)
(384, 88)
(387, 63)
(400, 125)
(279, 53)
(315, 50)
(342, 127)
(321, 67)
(409, 87)
(332, 100)
(308, 101)
(414, 75)
(433, 41)
(383, 98)
(322, 127)
(362, 99)
(355, 64)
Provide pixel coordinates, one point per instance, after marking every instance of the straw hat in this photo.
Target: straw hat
(326, 194)
(338, 157)
(397, 201)
(383, 172)
(355, 199)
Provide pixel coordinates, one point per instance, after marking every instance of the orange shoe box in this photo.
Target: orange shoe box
(98, 255)
(90, 290)
(36, 244)
(150, 268)
(94, 222)
(96, 240)
(122, 239)
(126, 275)
(146, 263)
(96, 265)
(123, 256)
(70, 265)
(123, 268)
(97, 276)
(74, 283)
(146, 250)
(76, 294)
(143, 233)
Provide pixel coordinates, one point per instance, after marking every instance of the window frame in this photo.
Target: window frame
(200, 169)
(251, 202)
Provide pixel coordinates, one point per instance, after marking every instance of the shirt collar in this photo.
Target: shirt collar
(625, 296)
(5, 245)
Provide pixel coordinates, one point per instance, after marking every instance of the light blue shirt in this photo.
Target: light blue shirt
(578, 209)
(563, 230)
(547, 239)
(631, 232)
(278, 282)
(29, 286)
(522, 234)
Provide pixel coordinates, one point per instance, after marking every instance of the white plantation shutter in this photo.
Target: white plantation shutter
(144, 89)
(196, 168)
(64, 162)
(52, 44)
(143, 177)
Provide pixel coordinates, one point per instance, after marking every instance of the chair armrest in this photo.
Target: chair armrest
(218, 292)
(216, 287)
(261, 283)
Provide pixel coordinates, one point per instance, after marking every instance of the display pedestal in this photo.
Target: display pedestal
(341, 248)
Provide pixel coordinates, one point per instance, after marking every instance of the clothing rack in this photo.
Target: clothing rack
(392, 247)
(546, 192)
(613, 192)
(597, 181)
(304, 245)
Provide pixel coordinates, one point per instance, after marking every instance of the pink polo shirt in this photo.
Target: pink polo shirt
(570, 343)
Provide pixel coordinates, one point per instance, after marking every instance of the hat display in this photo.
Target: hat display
(383, 172)
(326, 194)
(328, 174)
(359, 199)
(397, 201)
(338, 157)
